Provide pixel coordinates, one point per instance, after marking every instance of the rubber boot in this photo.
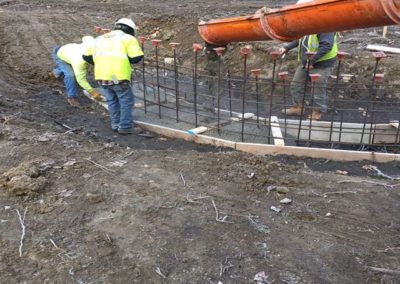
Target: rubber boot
(294, 110)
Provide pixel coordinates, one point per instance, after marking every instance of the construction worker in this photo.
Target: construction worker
(70, 64)
(326, 48)
(112, 56)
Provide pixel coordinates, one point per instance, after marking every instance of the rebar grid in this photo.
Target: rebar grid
(252, 108)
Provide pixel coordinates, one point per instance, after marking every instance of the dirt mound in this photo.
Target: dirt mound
(23, 179)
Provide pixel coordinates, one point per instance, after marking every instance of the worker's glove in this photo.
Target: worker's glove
(96, 95)
(282, 52)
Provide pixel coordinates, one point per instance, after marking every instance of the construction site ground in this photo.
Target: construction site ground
(103, 208)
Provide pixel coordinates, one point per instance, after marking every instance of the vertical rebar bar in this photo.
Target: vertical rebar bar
(219, 95)
(155, 43)
(283, 76)
(256, 73)
(275, 56)
(314, 78)
(245, 52)
(308, 67)
(230, 93)
(378, 56)
(174, 45)
(340, 57)
(142, 40)
(196, 48)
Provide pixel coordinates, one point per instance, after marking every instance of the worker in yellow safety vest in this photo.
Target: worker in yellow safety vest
(73, 68)
(325, 47)
(112, 56)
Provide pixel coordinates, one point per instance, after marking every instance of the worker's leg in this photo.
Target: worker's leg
(63, 68)
(320, 93)
(113, 106)
(297, 85)
(56, 71)
(126, 101)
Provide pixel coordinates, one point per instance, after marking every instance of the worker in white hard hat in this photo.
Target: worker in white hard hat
(112, 56)
(71, 65)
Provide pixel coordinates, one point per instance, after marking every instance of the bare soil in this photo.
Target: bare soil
(101, 208)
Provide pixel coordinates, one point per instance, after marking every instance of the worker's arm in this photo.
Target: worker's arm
(136, 59)
(80, 71)
(326, 42)
(291, 45)
(88, 55)
(135, 53)
(88, 59)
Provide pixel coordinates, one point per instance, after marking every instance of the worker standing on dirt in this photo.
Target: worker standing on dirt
(326, 48)
(112, 55)
(70, 64)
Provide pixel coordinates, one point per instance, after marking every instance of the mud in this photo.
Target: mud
(153, 210)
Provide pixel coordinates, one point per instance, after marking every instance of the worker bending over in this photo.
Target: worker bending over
(70, 64)
(112, 56)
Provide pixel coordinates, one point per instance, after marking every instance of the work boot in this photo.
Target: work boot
(315, 115)
(127, 131)
(294, 110)
(74, 102)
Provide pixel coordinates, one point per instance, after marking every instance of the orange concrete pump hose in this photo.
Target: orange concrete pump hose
(294, 21)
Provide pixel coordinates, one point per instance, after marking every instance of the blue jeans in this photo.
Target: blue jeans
(120, 102)
(63, 68)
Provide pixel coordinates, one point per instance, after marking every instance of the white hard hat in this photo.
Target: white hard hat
(88, 40)
(127, 22)
(87, 43)
(303, 1)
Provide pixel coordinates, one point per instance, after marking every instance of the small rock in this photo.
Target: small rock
(251, 175)
(279, 189)
(285, 201)
(328, 214)
(276, 209)
(169, 60)
(118, 163)
(69, 163)
(94, 198)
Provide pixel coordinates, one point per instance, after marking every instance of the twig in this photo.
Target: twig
(107, 170)
(380, 173)
(158, 271)
(193, 200)
(221, 220)
(128, 155)
(223, 269)
(369, 182)
(384, 270)
(339, 192)
(23, 227)
(262, 228)
(388, 249)
(183, 180)
(54, 244)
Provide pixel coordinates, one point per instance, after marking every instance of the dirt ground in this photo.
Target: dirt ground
(107, 209)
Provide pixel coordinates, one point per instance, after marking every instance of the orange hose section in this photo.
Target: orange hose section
(294, 21)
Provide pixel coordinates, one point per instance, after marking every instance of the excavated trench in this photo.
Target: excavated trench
(113, 209)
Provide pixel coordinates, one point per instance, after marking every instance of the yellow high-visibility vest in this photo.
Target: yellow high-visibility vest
(313, 44)
(110, 56)
(72, 54)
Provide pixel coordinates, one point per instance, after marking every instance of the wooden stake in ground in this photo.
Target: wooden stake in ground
(385, 30)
